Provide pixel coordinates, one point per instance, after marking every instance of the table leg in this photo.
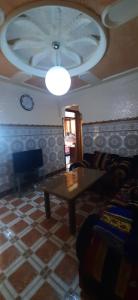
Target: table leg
(72, 217)
(47, 204)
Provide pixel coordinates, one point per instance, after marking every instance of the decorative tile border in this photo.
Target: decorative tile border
(119, 137)
(27, 137)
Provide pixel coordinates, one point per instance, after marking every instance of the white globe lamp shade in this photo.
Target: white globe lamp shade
(58, 81)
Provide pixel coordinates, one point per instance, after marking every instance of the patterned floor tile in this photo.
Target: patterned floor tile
(61, 211)
(10, 217)
(38, 256)
(49, 223)
(87, 207)
(3, 210)
(46, 292)
(39, 200)
(79, 219)
(31, 237)
(8, 256)
(1, 297)
(47, 251)
(19, 226)
(2, 239)
(25, 208)
(36, 215)
(17, 202)
(67, 269)
(63, 233)
(22, 277)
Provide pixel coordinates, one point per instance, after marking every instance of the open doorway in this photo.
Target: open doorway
(72, 136)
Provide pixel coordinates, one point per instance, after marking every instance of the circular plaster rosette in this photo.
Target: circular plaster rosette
(44, 34)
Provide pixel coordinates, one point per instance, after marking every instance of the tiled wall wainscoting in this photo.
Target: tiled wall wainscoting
(15, 138)
(119, 137)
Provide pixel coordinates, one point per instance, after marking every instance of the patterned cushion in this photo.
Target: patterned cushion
(81, 163)
(105, 161)
(112, 162)
(97, 159)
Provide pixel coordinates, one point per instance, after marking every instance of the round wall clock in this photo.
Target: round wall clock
(27, 102)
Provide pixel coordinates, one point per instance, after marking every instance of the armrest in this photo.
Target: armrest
(82, 163)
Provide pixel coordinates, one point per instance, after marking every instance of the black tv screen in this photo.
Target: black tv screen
(27, 161)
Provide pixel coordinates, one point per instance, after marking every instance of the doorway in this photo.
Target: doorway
(72, 136)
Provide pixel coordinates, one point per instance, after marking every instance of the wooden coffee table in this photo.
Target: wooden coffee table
(69, 186)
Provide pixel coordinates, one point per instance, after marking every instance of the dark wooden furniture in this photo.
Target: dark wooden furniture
(68, 187)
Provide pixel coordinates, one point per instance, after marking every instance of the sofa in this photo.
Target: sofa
(107, 250)
(118, 169)
(107, 243)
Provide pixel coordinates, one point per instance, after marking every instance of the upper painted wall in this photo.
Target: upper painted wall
(45, 111)
(115, 99)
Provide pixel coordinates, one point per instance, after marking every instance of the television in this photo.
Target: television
(27, 161)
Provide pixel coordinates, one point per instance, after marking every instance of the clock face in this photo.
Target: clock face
(27, 102)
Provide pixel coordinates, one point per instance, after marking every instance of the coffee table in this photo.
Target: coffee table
(69, 186)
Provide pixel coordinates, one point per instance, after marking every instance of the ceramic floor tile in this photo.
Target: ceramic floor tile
(2, 239)
(46, 292)
(87, 207)
(17, 202)
(39, 200)
(31, 237)
(8, 256)
(10, 217)
(52, 249)
(3, 210)
(30, 195)
(47, 251)
(67, 269)
(63, 233)
(36, 215)
(79, 219)
(25, 208)
(2, 297)
(22, 277)
(19, 226)
(48, 224)
(62, 211)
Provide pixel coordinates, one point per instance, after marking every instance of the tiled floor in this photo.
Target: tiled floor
(37, 256)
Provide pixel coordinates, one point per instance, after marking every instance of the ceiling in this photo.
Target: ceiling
(121, 54)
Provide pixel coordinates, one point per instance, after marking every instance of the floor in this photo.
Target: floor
(37, 256)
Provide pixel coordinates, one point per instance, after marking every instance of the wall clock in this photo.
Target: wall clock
(27, 102)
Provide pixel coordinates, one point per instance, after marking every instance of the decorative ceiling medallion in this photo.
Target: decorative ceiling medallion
(40, 36)
(119, 12)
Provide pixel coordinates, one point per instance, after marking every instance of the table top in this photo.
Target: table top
(70, 184)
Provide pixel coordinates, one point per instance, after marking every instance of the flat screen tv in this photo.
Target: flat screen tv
(27, 161)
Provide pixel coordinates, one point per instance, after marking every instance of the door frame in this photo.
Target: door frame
(79, 145)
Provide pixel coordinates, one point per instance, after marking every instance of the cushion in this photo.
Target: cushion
(89, 157)
(135, 165)
(97, 158)
(81, 163)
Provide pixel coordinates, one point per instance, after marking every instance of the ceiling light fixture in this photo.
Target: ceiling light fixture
(57, 79)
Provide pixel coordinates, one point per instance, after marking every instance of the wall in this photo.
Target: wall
(45, 111)
(119, 137)
(115, 99)
(19, 138)
(112, 100)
